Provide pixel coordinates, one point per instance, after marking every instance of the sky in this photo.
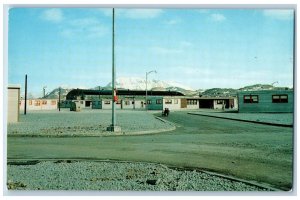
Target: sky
(198, 48)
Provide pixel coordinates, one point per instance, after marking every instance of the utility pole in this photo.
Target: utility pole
(99, 93)
(113, 127)
(25, 105)
(59, 91)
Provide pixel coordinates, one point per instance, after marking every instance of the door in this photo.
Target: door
(183, 103)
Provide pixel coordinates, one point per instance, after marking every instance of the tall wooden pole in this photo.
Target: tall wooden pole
(59, 91)
(25, 105)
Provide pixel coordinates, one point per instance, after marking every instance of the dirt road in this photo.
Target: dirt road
(249, 151)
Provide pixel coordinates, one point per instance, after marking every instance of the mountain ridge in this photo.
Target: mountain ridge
(140, 84)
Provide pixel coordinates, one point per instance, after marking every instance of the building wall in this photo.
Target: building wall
(96, 104)
(265, 103)
(39, 104)
(216, 105)
(236, 104)
(139, 104)
(174, 103)
(192, 106)
(109, 106)
(13, 95)
(154, 105)
(128, 104)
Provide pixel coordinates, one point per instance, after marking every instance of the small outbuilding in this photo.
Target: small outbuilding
(268, 101)
(13, 111)
(75, 106)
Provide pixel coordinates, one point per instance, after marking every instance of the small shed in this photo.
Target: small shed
(75, 106)
(13, 111)
(268, 101)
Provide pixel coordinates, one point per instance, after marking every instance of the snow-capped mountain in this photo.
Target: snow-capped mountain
(137, 83)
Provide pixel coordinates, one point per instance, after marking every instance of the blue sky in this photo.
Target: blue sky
(199, 48)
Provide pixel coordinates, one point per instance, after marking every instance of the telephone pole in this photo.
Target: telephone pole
(113, 127)
(25, 105)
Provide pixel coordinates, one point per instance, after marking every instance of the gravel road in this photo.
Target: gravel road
(114, 176)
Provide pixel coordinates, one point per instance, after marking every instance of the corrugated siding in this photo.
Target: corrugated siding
(153, 105)
(265, 101)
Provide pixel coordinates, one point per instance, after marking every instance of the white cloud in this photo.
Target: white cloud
(88, 27)
(279, 14)
(173, 21)
(84, 22)
(217, 17)
(163, 50)
(139, 13)
(53, 15)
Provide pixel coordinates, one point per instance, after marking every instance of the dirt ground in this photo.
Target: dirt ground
(253, 152)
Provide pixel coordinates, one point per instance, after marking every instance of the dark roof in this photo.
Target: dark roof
(73, 94)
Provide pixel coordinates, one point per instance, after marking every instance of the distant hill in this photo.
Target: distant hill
(218, 92)
(55, 93)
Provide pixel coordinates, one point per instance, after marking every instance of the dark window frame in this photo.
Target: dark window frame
(168, 101)
(158, 101)
(280, 100)
(220, 102)
(250, 100)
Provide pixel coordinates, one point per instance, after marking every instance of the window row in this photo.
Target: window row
(282, 98)
(39, 102)
(192, 102)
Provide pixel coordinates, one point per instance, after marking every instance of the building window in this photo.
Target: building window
(158, 101)
(127, 103)
(53, 103)
(106, 102)
(81, 102)
(175, 101)
(191, 102)
(37, 103)
(220, 101)
(168, 101)
(282, 98)
(149, 102)
(44, 102)
(250, 98)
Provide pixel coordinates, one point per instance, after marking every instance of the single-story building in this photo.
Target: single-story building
(179, 103)
(126, 103)
(276, 101)
(218, 102)
(39, 104)
(13, 98)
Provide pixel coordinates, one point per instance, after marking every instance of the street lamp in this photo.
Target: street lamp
(146, 86)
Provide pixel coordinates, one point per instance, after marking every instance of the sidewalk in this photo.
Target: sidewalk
(273, 119)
